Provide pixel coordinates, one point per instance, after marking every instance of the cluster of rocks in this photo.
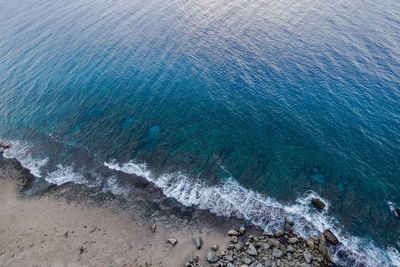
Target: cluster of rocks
(282, 248)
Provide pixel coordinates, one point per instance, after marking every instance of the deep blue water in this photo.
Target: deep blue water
(260, 100)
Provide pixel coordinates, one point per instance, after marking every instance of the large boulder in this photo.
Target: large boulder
(318, 203)
(331, 237)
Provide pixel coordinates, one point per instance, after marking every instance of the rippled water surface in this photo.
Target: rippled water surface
(259, 103)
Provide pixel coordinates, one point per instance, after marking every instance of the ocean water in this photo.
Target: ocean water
(244, 108)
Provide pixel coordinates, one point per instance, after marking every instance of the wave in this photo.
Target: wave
(22, 153)
(229, 198)
(62, 174)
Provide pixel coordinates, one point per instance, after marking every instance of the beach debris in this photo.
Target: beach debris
(318, 203)
(82, 249)
(153, 227)
(172, 241)
(331, 237)
(233, 232)
(212, 257)
(198, 242)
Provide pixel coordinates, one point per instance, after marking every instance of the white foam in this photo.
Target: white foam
(113, 186)
(22, 153)
(231, 199)
(394, 255)
(65, 174)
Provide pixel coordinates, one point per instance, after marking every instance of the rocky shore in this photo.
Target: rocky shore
(83, 227)
(282, 248)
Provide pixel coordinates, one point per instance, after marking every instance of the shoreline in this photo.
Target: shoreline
(74, 224)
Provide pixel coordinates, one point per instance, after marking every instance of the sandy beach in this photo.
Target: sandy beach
(53, 230)
(73, 225)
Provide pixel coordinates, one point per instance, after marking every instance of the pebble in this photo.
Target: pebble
(198, 242)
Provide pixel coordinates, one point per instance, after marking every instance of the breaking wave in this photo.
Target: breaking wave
(229, 198)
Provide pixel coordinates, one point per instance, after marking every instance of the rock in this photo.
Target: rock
(234, 239)
(289, 221)
(198, 242)
(153, 228)
(277, 253)
(273, 242)
(251, 250)
(228, 258)
(318, 203)
(293, 240)
(231, 247)
(230, 265)
(239, 246)
(289, 256)
(247, 260)
(172, 241)
(310, 243)
(4, 146)
(212, 257)
(214, 247)
(242, 230)
(290, 249)
(279, 233)
(288, 228)
(331, 237)
(193, 259)
(307, 256)
(233, 232)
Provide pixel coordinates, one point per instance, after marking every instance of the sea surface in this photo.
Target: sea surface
(245, 108)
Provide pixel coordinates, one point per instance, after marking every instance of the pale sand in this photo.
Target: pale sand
(44, 231)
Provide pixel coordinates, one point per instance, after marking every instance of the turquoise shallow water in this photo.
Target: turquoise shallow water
(261, 100)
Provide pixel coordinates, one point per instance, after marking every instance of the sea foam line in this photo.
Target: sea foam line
(227, 199)
(61, 174)
(231, 199)
(22, 153)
